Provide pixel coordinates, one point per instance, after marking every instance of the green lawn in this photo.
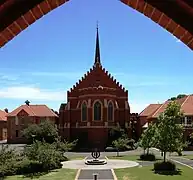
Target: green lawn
(188, 156)
(146, 172)
(127, 157)
(58, 174)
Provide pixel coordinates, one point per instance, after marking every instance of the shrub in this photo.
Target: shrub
(8, 169)
(6, 154)
(131, 143)
(46, 154)
(164, 166)
(147, 157)
(27, 166)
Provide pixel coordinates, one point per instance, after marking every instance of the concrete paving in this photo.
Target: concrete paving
(182, 160)
(102, 174)
(111, 164)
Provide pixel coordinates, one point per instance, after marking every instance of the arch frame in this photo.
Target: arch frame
(113, 115)
(84, 102)
(97, 100)
(178, 25)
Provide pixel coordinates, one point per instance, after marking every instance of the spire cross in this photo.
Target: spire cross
(97, 51)
(97, 25)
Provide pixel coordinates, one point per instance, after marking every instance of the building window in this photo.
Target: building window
(16, 120)
(17, 133)
(110, 111)
(183, 120)
(22, 121)
(84, 112)
(97, 111)
(189, 120)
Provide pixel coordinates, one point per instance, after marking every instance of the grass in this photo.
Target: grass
(127, 157)
(147, 173)
(57, 174)
(188, 156)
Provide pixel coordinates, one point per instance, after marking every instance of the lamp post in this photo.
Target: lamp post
(95, 176)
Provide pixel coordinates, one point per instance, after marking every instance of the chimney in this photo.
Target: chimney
(6, 110)
(27, 102)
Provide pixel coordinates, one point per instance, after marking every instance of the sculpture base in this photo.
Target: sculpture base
(96, 162)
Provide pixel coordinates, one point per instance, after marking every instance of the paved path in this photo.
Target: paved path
(111, 164)
(182, 160)
(103, 174)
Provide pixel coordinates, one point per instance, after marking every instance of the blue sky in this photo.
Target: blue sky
(47, 59)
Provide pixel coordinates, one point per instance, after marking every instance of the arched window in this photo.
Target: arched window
(110, 111)
(97, 111)
(84, 112)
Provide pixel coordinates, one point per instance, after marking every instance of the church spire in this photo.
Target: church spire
(97, 50)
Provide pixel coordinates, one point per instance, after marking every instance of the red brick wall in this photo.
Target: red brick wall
(3, 124)
(22, 124)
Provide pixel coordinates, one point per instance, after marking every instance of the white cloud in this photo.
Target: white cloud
(8, 77)
(32, 93)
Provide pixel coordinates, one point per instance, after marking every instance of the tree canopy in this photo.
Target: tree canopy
(169, 133)
(45, 131)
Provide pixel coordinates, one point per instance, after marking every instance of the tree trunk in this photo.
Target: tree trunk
(164, 156)
(147, 150)
(117, 152)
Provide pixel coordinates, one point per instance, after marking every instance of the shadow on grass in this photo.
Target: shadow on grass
(36, 175)
(171, 173)
(149, 160)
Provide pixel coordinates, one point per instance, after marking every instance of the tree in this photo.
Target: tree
(179, 96)
(119, 144)
(169, 133)
(45, 131)
(148, 138)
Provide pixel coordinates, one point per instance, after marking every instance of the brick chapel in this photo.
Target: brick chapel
(94, 105)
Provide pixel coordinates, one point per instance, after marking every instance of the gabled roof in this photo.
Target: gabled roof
(34, 110)
(186, 104)
(162, 108)
(97, 77)
(3, 116)
(149, 110)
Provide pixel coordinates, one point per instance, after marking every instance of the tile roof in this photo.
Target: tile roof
(3, 116)
(154, 110)
(34, 110)
(149, 110)
(162, 108)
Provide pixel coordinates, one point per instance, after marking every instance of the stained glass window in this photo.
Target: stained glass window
(110, 111)
(84, 112)
(97, 111)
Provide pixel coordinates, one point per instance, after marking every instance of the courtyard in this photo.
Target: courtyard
(127, 166)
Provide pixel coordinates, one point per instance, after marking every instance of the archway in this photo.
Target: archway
(15, 16)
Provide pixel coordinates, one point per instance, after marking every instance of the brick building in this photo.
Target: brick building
(151, 113)
(94, 105)
(3, 125)
(21, 117)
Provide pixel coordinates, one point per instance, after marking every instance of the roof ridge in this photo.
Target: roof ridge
(113, 79)
(158, 109)
(83, 78)
(185, 100)
(147, 107)
(31, 109)
(51, 111)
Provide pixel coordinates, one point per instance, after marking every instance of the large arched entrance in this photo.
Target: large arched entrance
(15, 16)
